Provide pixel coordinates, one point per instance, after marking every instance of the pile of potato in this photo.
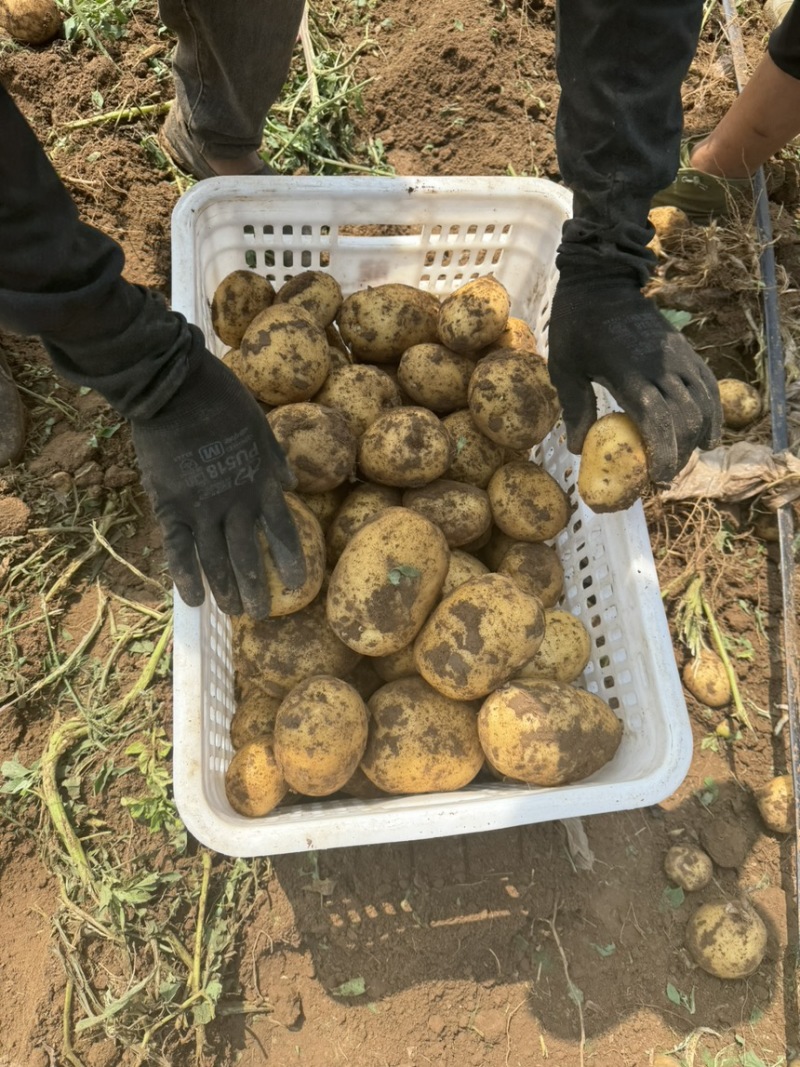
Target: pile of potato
(425, 646)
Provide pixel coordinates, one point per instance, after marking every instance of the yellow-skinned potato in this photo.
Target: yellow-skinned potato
(547, 733)
(776, 804)
(314, 291)
(536, 569)
(325, 505)
(30, 21)
(254, 717)
(434, 377)
(283, 599)
(476, 457)
(496, 547)
(380, 323)
(364, 678)
(254, 784)
(527, 503)
(707, 680)
(319, 445)
(613, 473)
(320, 735)
(396, 665)
(689, 867)
(420, 741)
(727, 939)
(285, 355)
(362, 503)
(361, 393)
(386, 581)
(512, 399)
(474, 315)
(280, 653)
(741, 403)
(564, 651)
(238, 298)
(408, 448)
(460, 511)
(478, 637)
(463, 566)
(517, 336)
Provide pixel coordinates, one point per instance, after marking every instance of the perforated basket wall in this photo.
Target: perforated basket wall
(435, 234)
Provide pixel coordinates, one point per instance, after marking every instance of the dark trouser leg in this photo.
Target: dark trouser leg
(784, 42)
(230, 65)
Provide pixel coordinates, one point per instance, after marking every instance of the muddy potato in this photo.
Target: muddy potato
(670, 224)
(474, 315)
(318, 444)
(386, 581)
(741, 403)
(254, 717)
(380, 323)
(396, 665)
(463, 566)
(476, 457)
(361, 393)
(419, 740)
(517, 336)
(688, 867)
(254, 784)
(512, 400)
(434, 377)
(314, 291)
(30, 21)
(527, 503)
(285, 357)
(282, 652)
(460, 511)
(547, 733)
(475, 547)
(707, 680)
(536, 569)
(320, 735)
(325, 505)
(360, 505)
(613, 472)
(408, 448)
(283, 600)
(775, 802)
(364, 678)
(238, 298)
(727, 939)
(478, 637)
(496, 547)
(564, 651)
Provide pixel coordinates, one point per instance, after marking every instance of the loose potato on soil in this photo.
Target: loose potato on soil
(30, 21)
(564, 651)
(547, 733)
(396, 665)
(689, 867)
(613, 472)
(360, 505)
(512, 399)
(727, 939)
(320, 735)
(285, 355)
(741, 403)
(463, 566)
(474, 316)
(238, 298)
(434, 377)
(386, 581)
(408, 448)
(283, 599)
(319, 445)
(314, 291)
(280, 653)
(527, 503)
(460, 511)
(361, 393)
(380, 323)
(536, 569)
(707, 680)
(254, 784)
(670, 224)
(420, 741)
(517, 336)
(776, 804)
(478, 637)
(254, 717)
(476, 457)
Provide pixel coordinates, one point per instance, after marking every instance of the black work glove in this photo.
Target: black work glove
(215, 473)
(602, 329)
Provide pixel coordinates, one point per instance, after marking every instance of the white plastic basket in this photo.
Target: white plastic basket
(444, 232)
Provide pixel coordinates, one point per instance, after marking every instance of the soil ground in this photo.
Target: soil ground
(494, 949)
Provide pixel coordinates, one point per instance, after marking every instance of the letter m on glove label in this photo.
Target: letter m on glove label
(208, 453)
